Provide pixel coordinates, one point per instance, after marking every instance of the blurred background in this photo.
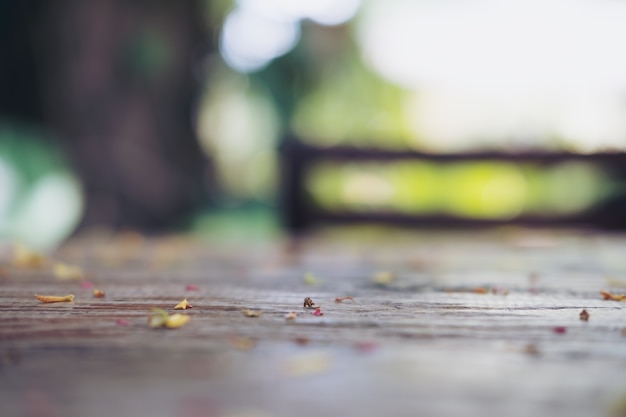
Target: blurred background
(168, 115)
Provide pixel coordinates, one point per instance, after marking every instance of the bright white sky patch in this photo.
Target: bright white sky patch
(493, 71)
(516, 45)
(257, 31)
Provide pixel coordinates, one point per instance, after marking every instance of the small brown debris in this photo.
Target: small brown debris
(98, 293)
(291, 315)
(183, 305)
(252, 313)
(302, 340)
(531, 349)
(584, 315)
(624, 331)
(612, 297)
(308, 303)
(342, 299)
(67, 272)
(55, 298)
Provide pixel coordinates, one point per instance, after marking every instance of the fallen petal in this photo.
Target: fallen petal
(67, 272)
(122, 322)
(98, 293)
(192, 287)
(183, 305)
(176, 320)
(318, 312)
(87, 285)
(55, 298)
(291, 315)
(252, 313)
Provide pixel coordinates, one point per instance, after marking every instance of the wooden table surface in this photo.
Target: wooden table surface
(429, 342)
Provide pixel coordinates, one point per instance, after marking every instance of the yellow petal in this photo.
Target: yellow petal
(312, 280)
(26, 258)
(98, 293)
(55, 298)
(176, 320)
(157, 318)
(68, 272)
(183, 305)
(252, 313)
(383, 278)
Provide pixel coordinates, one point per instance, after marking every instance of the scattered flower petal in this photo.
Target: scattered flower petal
(87, 285)
(67, 272)
(54, 298)
(27, 258)
(252, 313)
(176, 320)
(383, 278)
(291, 315)
(366, 347)
(312, 280)
(308, 364)
(560, 330)
(318, 312)
(341, 299)
(98, 293)
(192, 287)
(584, 315)
(613, 297)
(242, 343)
(157, 318)
(480, 290)
(183, 305)
(122, 322)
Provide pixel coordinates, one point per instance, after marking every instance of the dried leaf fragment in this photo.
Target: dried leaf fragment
(308, 303)
(291, 315)
(55, 298)
(252, 313)
(98, 293)
(342, 299)
(67, 272)
(612, 297)
(183, 305)
(584, 315)
(176, 320)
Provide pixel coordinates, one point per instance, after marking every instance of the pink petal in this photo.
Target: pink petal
(122, 322)
(560, 329)
(86, 285)
(192, 287)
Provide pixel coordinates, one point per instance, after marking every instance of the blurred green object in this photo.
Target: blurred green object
(41, 200)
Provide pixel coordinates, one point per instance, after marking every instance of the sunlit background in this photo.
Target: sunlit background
(444, 76)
